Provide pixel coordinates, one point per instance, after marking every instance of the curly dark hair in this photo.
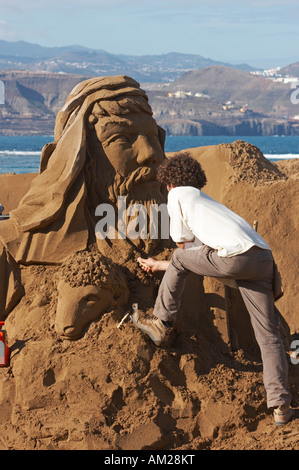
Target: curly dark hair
(181, 170)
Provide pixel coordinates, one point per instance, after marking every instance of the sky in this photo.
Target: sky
(261, 33)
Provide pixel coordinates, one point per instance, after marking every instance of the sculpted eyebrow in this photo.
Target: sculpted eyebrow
(118, 128)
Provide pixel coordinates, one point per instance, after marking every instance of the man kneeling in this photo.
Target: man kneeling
(223, 246)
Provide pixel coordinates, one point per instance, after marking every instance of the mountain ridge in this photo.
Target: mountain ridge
(76, 59)
(220, 98)
(216, 100)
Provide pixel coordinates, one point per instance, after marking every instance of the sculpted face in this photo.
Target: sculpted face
(88, 286)
(125, 153)
(130, 142)
(132, 154)
(78, 306)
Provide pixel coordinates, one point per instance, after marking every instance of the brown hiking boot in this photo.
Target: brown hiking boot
(152, 326)
(282, 415)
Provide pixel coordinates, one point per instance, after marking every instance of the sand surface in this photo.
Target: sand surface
(112, 388)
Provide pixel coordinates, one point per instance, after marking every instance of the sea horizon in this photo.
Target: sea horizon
(21, 154)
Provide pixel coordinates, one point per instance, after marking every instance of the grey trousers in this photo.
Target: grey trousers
(253, 273)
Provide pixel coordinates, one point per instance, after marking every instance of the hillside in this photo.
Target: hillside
(32, 100)
(216, 100)
(225, 84)
(291, 70)
(219, 100)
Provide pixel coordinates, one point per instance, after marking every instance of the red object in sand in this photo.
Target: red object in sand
(4, 349)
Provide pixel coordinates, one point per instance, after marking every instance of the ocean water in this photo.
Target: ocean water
(21, 154)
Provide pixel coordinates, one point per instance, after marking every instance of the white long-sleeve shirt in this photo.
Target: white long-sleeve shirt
(194, 214)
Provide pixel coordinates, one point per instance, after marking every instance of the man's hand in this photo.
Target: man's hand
(152, 265)
(181, 245)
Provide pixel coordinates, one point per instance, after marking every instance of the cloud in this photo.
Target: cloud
(172, 7)
(200, 26)
(16, 5)
(45, 4)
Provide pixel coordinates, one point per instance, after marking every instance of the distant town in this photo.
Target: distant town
(189, 94)
(276, 75)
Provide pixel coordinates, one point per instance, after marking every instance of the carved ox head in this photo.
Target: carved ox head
(89, 284)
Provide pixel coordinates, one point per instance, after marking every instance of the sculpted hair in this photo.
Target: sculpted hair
(89, 267)
(182, 170)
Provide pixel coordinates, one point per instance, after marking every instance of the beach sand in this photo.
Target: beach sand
(112, 389)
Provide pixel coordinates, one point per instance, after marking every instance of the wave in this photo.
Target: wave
(21, 153)
(287, 156)
(28, 153)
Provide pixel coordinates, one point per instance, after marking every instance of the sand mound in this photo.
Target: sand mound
(113, 389)
(250, 165)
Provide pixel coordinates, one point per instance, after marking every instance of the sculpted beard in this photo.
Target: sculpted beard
(142, 188)
(139, 187)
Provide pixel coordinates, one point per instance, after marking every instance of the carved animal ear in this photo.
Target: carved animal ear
(117, 297)
(120, 296)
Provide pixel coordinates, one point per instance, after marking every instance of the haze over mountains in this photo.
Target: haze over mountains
(189, 95)
(82, 60)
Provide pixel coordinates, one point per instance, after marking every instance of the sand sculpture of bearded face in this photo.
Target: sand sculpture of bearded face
(127, 141)
(89, 284)
(106, 145)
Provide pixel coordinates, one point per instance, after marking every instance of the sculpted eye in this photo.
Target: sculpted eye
(120, 138)
(91, 298)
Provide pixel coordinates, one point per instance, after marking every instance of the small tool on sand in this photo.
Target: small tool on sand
(127, 317)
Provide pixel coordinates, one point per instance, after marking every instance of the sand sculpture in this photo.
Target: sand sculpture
(106, 145)
(89, 284)
(113, 389)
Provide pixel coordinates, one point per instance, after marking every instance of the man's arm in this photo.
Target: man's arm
(153, 265)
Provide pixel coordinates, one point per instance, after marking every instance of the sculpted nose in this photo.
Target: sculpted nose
(147, 153)
(70, 332)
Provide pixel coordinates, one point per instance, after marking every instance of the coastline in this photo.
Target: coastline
(21, 154)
